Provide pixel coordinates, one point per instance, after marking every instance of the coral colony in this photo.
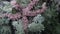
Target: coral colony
(24, 12)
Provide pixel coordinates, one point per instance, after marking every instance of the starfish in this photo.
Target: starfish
(25, 12)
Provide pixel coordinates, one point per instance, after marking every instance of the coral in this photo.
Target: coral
(5, 7)
(19, 27)
(36, 25)
(24, 12)
(5, 30)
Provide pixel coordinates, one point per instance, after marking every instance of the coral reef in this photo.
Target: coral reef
(23, 13)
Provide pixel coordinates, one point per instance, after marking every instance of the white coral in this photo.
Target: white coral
(6, 6)
(37, 24)
(19, 27)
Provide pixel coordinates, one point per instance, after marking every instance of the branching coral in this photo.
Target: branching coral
(25, 11)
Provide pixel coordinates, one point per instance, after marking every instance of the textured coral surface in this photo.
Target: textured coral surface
(24, 16)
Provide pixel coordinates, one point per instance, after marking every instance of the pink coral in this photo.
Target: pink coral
(25, 12)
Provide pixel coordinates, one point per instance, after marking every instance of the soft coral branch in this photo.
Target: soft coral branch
(31, 4)
(25, 24)
(25, 21)
(15, 4)
(34, 13)
(12, 16)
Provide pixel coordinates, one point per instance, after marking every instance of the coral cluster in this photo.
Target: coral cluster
(23, 12)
